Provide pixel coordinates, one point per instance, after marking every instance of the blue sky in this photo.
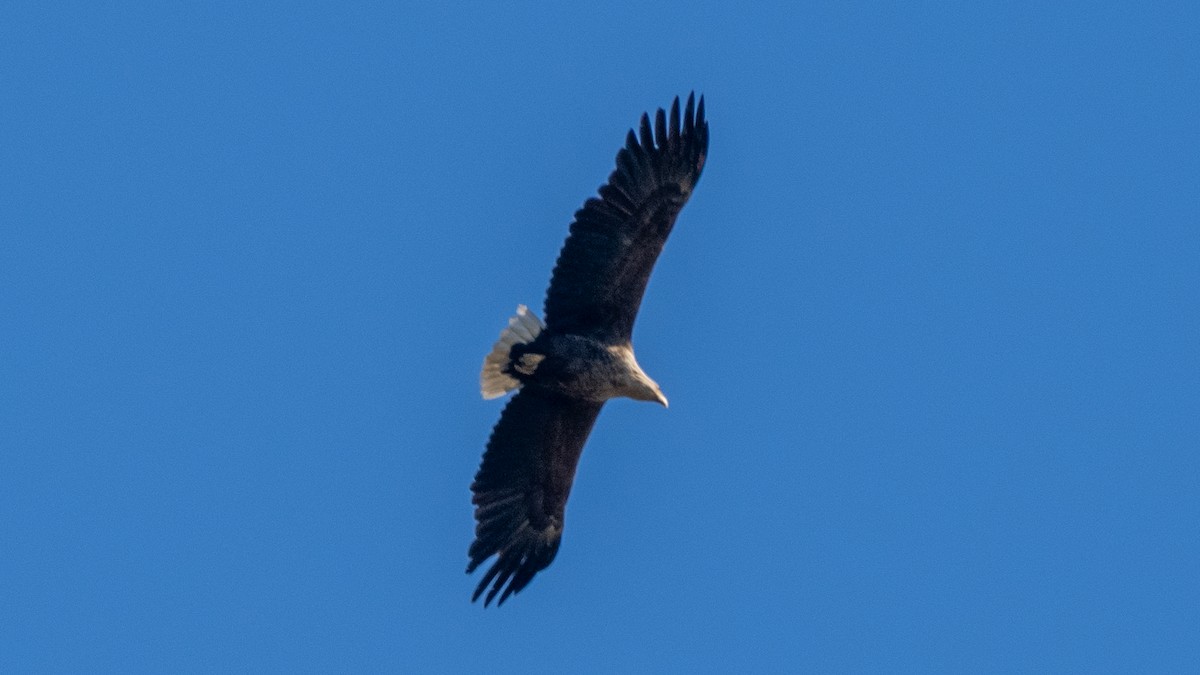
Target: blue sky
(929, 327)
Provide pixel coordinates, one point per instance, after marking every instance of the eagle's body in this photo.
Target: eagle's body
(582, 356)
(582, 367)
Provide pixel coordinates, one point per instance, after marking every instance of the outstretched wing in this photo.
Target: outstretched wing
(520, 492)
(601, 274)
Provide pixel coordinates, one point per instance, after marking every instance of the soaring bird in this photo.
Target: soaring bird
(566, 368)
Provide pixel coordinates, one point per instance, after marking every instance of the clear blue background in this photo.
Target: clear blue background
(930, 328)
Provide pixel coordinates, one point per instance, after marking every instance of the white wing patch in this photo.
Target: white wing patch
(522, 328)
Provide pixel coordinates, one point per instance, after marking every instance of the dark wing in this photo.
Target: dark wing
(520, 492)
(601, 274)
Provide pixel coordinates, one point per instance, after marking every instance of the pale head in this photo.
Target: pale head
(637, 385)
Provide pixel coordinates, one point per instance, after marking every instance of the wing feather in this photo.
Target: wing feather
(521, 489)
(601, 274)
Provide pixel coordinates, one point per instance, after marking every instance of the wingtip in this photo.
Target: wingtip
(674, 131)
(505, 595)
(647, 133)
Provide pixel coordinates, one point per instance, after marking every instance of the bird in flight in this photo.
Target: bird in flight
(581, 356)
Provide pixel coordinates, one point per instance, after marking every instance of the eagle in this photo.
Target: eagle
(567, 367)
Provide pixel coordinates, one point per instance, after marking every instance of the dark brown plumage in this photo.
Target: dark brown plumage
(582, 356)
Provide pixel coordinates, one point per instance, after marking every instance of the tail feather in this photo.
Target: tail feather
(523, 328)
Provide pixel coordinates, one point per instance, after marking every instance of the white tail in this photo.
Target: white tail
(522, 328)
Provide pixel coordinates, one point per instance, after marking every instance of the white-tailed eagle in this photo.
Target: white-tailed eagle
(581, 356)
